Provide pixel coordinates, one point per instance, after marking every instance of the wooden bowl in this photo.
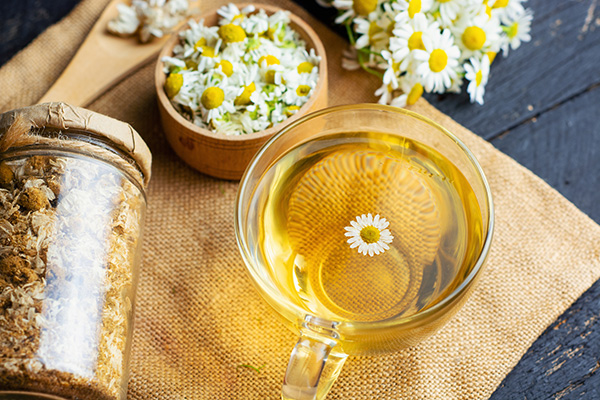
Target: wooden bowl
(220, 155)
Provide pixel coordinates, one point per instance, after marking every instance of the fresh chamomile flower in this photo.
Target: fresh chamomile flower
(369, 234)
(477, 72)
(298, 92)
(505, 10)
(148, 18)
(517, 31)
(476, 34)
(408, 36)
(449, 10)
(231, 14)
(375, 29)
(256, 24)
(215, 101)
(408, 9)
(438, 62)
(412, 90)
(354, 8)
(392, 69)
(385, 93)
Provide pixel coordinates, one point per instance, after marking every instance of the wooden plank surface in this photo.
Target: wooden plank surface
(543, 109)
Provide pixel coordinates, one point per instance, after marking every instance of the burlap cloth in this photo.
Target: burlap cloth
(198, 317)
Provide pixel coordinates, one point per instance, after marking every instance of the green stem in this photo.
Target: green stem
(364, 66)
(361, 53)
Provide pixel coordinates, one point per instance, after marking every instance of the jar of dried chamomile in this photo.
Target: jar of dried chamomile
(72, 207)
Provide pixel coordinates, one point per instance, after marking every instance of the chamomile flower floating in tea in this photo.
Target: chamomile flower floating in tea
(431, 41)
(369, 234)
(247, 74)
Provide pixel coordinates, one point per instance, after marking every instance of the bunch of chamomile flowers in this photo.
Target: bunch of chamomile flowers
(431, 46)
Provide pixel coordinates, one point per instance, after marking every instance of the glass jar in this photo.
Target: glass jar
(72, 206)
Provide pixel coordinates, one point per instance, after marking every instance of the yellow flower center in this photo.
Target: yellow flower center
(191, 64)
(291, 110)
(364, 7)
(231, 33)
(173, 84)
(438, 60)
(478, 77)
(473, 38)
(415, 93)
(244, 98)
(374, 29)
(302, 90)
(488, 11)
(226, 67)
(212, 97)
(415, 41)
(512, 30)
(208, 51)
(414, 7)
(444, 1)
(491, 56)
(271, 60)
(201, 42)
(500, 3)
(270, 76)
(305, 67)
(369, 234)
(239, 16)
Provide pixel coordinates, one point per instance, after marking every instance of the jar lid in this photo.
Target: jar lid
(63, 116)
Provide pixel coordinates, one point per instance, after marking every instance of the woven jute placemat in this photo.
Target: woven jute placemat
(198, 317)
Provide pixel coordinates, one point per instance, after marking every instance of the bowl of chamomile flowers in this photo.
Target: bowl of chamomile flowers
(233, 77)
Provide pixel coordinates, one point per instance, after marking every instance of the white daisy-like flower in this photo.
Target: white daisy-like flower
(439, 61)
(449, 10)
(476, 34)
(408, 36)
(408, 9)
(412, 90)
(375, 29)
(390, 76)
(148, 18)
(385, 93)
(231, 14)
(477, 72)
(369, 234)
(298, 92)
(126, 22)
(256, 23)
(517, 31)
(354, 8)
(505, 10)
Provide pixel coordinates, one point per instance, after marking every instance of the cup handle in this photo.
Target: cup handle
(312, 369)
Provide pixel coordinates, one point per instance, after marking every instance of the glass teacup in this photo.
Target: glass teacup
(364, 227)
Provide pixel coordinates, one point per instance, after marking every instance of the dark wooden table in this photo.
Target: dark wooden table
(542, 107)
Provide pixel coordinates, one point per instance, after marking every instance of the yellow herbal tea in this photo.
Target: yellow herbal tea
(366, 226)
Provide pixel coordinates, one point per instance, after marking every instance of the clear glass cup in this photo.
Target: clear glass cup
(326, 341)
